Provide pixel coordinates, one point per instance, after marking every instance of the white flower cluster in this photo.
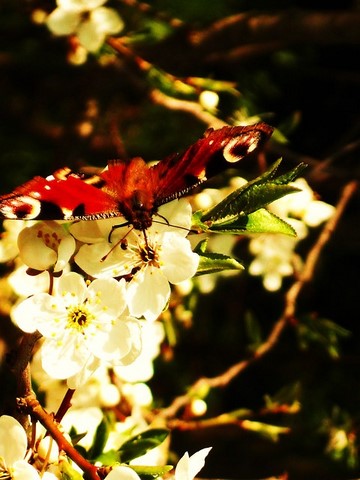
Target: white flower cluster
(86, 323)
(275, 255)
(14, 464)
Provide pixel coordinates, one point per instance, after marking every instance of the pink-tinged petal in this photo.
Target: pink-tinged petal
(179, 262)
(13, 441)
(148, 293)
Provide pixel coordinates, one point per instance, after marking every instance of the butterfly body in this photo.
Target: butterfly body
(132, 189)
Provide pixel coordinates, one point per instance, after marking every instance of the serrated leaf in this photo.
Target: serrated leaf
(253, 195)
(260, 221)
(201, 247)
(143, 442)
(216, 262)
(150, 473)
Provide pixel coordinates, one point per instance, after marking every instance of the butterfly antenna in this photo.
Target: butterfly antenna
(166, 222)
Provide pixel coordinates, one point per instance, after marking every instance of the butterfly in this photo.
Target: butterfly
(132, 189)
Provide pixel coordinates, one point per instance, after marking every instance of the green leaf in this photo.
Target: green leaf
(253, 195)
(170, 85)
(216, 262)
(101, 436)
(321, 331)
(272, 432)
(68, 472)
(142, 443)
(149, 473)
(109, 458)
(261, 221)
(253, 331)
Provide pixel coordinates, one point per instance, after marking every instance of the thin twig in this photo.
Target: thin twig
(287, 316)
(193, 108)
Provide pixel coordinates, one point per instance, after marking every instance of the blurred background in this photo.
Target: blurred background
(294, 65)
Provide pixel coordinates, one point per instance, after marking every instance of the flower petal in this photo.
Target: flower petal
(188, 467)
(121, 345)
(13, 441)
(90, 36)
(23, 471)
(72, 288)
(65, 358)
(107, 20)
(107, 296)
(122, 473)
(148, 293)
(179, 261)
(63, 22)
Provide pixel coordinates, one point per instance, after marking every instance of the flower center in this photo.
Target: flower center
(149, 255)
(79, 317)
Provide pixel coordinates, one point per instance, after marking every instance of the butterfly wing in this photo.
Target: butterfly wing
(63, 195)
(216, 151)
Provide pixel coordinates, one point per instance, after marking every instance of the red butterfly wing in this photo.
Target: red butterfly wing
(132, 189)
(62, 195)
(216, 151)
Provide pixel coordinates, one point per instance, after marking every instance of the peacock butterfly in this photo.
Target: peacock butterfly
(132, 189)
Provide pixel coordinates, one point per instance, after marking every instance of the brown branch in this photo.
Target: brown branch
(291, 26)
(30, 405)
(20, 367)
(193, 108)
(205, 383)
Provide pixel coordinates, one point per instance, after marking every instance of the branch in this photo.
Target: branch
(30, 405)
(291, 26)
(193, 108)
(205, 383)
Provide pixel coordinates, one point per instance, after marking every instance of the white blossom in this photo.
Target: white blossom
(45, 246)
(82, 326)
(13, 448)
(88, 19)
(152, 259)
(188, 467)
(8, 239)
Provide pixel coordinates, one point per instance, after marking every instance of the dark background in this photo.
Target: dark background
(308, 87)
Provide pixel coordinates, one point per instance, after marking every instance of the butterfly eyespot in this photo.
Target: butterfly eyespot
(23, 208)
(238, 147)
